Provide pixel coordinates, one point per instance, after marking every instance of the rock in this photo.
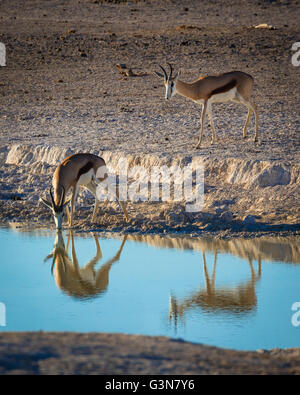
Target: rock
(70, 31)
(28, 155)
(273, 175)
(121, 66)
(177, 217)
(257, 173)
(226, 216)
(249, 219)
(264, 26)
(262, 351)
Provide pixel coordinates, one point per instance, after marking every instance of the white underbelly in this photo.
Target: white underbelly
(223, 97)
(85, 178)
(88, 275)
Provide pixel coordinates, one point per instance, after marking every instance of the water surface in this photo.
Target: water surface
(235, 294)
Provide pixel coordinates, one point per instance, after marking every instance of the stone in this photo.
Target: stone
(226, 216)
(249, 219)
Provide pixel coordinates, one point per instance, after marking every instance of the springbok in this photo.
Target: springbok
(234, 86)
(236, 300)
(85, 170)
(80, 281)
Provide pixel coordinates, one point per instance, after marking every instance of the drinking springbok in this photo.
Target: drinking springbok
(78, 170)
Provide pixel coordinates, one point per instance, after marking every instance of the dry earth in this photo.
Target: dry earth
(101, 353)
(61, 92)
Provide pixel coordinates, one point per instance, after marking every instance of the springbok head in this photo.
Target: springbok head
(169, 81)
(57, 209)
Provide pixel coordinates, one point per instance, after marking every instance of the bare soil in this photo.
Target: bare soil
(116, 354)
(62, 88)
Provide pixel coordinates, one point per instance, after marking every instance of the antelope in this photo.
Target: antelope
(238, 299)
(234, 86)
(80, 281)
(78, 170)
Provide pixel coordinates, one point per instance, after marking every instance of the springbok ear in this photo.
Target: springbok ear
(46, 203)
(158, 74)
(177, 74)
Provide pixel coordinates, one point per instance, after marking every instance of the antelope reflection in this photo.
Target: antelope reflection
(237, 299)
(76, 281)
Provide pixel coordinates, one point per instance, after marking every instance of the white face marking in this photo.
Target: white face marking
(58, 217)
(59, 239)
(170, 89)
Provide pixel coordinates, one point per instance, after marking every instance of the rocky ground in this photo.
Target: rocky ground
(95, 353)
(62, 92)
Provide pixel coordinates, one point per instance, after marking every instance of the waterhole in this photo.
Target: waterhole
(242, 294)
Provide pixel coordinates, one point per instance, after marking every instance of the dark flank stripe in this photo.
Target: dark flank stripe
(224, 88)
(88, 166)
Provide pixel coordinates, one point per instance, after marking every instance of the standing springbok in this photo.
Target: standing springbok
(85, 170)
(233, 86)
(236, 300)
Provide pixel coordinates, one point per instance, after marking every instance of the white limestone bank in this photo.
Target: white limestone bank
(248, 173)
(239, 194)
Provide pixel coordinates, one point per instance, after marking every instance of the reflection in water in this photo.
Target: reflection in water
(283, 249)
(236, 299)
(77, 281)
(239, 299)
(85, 282)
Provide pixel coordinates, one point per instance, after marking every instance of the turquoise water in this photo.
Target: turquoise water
(235, 294)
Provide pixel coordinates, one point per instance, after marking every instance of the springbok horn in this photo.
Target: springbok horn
(62, 198)
(164, 71)
(171, 70)
(52, 199)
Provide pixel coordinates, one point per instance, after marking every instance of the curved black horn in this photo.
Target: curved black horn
(52, 198)
(62, 197)
(164, 71)
(171, 70)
